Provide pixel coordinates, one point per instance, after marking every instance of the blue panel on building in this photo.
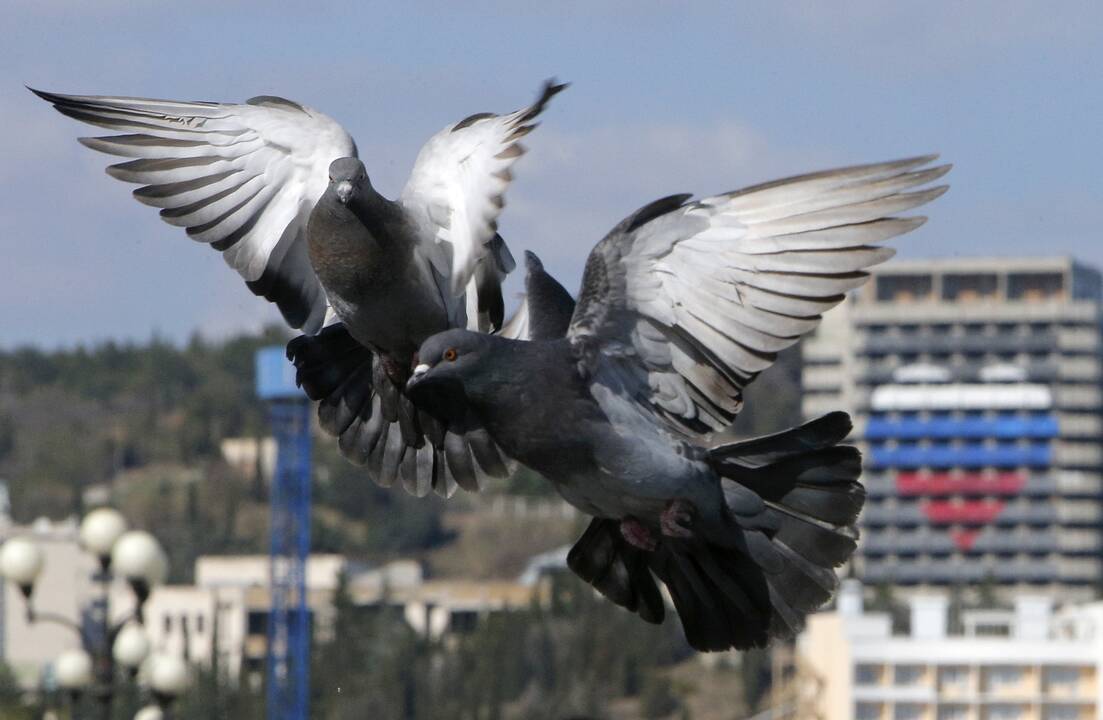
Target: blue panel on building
(276, 375)
(971, 455)
(976, 428)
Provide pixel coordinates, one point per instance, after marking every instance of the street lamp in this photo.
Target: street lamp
(100, 530)
(132, 554)
(131, 647)
(150, 712)
(21, 562)
(73, 669)
(168, 677)
(138, 557)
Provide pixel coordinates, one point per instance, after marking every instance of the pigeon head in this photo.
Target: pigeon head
(448, 366)
(347, 176)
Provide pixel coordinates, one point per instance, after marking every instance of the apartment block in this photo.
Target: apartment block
(1028, 663)
(975, 386)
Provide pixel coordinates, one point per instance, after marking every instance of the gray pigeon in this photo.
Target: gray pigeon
(629, 415)
(278, 189)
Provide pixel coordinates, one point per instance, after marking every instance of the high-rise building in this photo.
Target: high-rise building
(975, 386)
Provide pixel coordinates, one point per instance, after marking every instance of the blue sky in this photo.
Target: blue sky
(664, 99)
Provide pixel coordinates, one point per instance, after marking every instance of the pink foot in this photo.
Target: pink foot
(637, 534)
(677, 518)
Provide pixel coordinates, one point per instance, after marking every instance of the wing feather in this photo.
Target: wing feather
(239, 177)
(457, 188)
(694, 299)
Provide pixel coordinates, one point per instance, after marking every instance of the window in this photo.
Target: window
(903, 288)
(953, 712)
(257, 622)
(973, 286)
(1005, 712)
(867, 675)
(956, 676)
(199, 623)
(1035, 286)
(1060, 678)
(167, 622)
(908, 711)
(867, 711)
(999, 677)
(1061, 712)
(907, 674)
(463, 621)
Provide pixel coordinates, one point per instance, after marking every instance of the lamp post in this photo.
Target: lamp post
(134, 555)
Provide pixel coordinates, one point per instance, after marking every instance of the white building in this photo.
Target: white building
(1029, 663)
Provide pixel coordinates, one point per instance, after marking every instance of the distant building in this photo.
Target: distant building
(1029, 663)
(456, 606)
(223, 617)
(975, 386)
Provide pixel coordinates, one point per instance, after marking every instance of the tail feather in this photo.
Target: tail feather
(793, 500)
(818, 434)
(617, 570)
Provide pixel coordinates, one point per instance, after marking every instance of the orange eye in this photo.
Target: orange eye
(450, 354)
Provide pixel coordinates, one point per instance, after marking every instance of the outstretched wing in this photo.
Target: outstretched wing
(457, 190)
(239, 177)
(689, 301)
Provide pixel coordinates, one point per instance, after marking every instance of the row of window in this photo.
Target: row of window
(992, 711)
(183, 621)
(1056, 678)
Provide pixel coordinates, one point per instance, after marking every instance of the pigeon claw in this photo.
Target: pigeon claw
(637, 534)
(395, 371)
(676, 519)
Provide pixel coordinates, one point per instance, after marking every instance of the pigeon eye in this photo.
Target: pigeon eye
(450, 354)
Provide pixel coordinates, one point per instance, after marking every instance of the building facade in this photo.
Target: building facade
(1029, 663)
(975, 386)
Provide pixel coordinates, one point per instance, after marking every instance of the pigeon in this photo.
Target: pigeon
(277, 188)
(629, 414)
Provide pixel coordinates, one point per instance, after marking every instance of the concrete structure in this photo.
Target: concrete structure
(1029, 663)
(975, 386)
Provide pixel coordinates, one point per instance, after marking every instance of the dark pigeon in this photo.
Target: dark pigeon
(629, 415)
(277, 188)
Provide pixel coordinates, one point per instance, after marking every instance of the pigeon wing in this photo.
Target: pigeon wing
(691, 300)
(239, 177)
(457, 190)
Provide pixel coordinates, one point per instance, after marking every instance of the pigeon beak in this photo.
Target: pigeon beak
(419, 371)
(344, 191)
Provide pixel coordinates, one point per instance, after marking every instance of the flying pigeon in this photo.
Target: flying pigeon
(629, 415)
(278, 189)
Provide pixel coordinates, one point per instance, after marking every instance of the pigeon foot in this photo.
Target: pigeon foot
(395, 371)
(637, 534)
(675, 521)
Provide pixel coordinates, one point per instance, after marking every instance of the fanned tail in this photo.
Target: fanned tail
(793, 499)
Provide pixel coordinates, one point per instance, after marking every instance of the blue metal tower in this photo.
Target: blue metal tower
(288, 661)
